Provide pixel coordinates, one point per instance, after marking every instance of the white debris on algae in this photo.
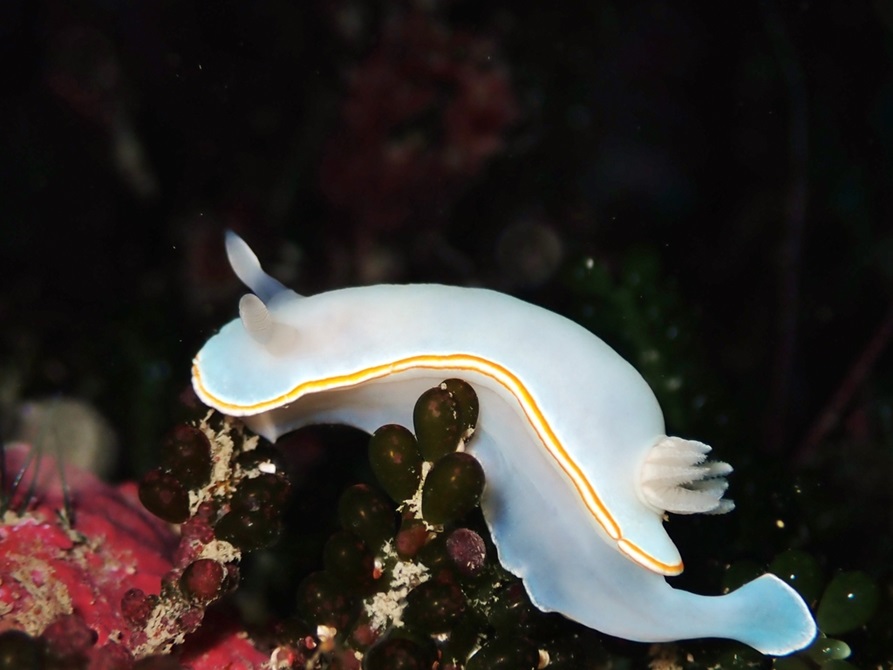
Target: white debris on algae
(386, 608)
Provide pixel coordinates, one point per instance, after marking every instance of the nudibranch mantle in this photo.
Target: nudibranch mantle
(571, 438)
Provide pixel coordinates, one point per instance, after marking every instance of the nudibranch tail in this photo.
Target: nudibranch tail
(768, 615)
(247, 268)
(677, 477)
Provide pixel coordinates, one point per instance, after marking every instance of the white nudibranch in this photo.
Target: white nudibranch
(579, 471)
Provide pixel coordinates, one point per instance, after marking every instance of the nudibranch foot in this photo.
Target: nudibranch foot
(592, 583)
(677, 477)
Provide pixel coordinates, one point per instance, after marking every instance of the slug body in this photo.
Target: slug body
(571, 438)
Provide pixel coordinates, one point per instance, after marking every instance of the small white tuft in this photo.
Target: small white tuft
(677, 477)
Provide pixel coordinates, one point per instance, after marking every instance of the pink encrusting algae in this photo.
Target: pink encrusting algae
(112, 584)
(49, 567)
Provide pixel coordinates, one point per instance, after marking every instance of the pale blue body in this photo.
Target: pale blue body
(598, 406)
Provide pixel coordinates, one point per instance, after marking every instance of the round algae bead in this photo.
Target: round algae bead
(368, 513)
(434, 607)
(203, 579)
(396, 461)
(452, 488)
(828, 649)
(435, 556)
(248, 530)
(162, 494)
(467, 400)
(186, 452)
(411, 538)
(467, 550)
(848, 602)
(437, 424)
(266, 492)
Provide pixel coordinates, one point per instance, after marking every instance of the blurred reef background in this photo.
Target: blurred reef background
(708, 189)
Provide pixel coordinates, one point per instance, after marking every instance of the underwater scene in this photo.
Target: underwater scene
(419, 335)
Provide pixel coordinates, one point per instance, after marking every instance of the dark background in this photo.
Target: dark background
(708, 188)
